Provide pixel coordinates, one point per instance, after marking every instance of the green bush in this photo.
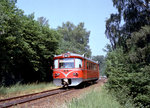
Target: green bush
(130, 80)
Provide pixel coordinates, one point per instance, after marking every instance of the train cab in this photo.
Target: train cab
(71, 69)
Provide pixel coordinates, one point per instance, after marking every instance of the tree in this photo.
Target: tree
(26, 47)
(75, 38)
(43, 21)
(131, 16)
(128, 63)
(101, 62)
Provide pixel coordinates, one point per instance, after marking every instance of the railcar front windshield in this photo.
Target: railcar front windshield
(66, 63)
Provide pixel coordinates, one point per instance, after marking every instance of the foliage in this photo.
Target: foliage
(43, 21)
(128, 64)
(139, 54)
(129, 79)
(75, 38)
(131, 16)
(26, 46)
(101, 62)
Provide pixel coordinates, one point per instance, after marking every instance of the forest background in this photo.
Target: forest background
(26, 42)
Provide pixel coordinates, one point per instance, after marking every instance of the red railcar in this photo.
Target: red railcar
(72, 69)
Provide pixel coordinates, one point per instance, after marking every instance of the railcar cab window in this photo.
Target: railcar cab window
(78, 63)
(66, 63)
(56, 63)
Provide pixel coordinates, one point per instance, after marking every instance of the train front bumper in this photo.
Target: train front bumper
(71, 81)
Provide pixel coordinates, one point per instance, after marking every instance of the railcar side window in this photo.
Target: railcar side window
(56, 63)
(94, 66)
(84, 64)
(78, 63)
(87, 65)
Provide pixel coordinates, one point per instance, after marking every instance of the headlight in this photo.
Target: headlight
(57, 74)
(75, 74)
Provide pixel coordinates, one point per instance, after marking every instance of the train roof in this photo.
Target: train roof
(73, 55)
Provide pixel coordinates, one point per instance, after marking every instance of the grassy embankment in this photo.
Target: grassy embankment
(19, 89)
(97, 99)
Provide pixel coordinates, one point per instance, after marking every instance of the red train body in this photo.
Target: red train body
(72, 69)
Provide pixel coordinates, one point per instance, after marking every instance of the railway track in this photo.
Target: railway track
(13, 101)
(4, 103)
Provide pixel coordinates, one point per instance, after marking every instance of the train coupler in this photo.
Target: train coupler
(65, 82)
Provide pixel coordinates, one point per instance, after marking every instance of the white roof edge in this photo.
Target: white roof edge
(73, 54)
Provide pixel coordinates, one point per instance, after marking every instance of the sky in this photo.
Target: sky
(93, 13)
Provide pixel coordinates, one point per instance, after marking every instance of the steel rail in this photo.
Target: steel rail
(1, 100)
(30, 97)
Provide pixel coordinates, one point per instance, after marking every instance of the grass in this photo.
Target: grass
(19, 89)
(96, 99)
